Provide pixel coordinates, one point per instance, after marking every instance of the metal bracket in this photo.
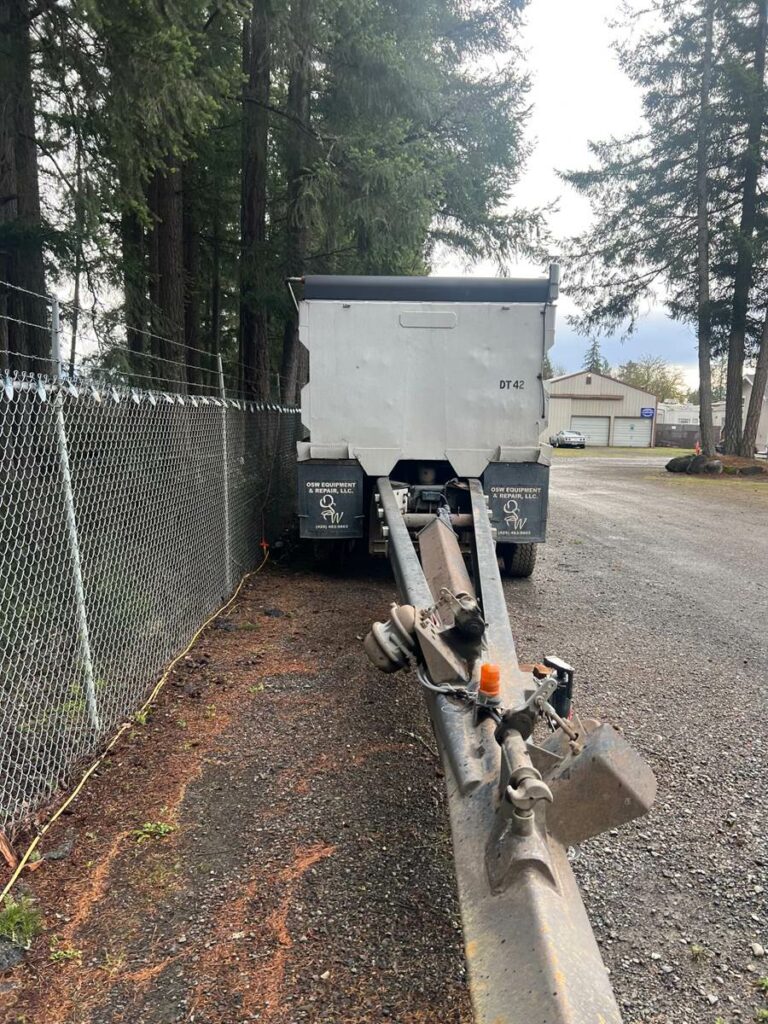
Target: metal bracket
(291, 281)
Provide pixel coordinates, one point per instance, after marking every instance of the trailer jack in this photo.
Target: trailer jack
(525, 780)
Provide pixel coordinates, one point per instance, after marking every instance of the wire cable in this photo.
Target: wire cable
(126, 726)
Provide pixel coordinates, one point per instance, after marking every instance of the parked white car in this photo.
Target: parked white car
(568, 439)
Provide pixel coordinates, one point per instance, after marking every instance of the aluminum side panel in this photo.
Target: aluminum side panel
(460, 385)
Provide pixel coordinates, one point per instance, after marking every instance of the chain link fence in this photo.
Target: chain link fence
(127, 517)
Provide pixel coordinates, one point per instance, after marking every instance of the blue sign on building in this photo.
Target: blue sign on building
(648, 413)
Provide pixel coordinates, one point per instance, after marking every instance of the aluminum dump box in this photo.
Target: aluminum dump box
(426, 368)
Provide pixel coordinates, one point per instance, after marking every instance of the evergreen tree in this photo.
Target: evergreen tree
(194, 155)
(593, 359)
(22, 229)
(669, 199)
(552, 369)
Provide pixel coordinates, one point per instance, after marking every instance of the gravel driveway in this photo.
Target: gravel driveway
(656, 589)
(308, 877)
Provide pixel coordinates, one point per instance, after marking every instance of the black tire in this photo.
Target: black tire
(519, 560)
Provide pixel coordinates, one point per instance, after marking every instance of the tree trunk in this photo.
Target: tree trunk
(215, 339)
(153, 278)
(168, 312)
(192, 336)
(742, 281)
(21, 249)
(135, 284)
(289, 363)
(755, 408)
(294, 368)
(253, 339)
(702, 241)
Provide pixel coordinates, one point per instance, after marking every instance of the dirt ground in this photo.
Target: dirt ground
(309, 876)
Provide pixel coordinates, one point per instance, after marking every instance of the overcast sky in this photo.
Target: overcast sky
(579, 94)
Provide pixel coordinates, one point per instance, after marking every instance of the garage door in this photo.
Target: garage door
(594, 428)
(629, 432)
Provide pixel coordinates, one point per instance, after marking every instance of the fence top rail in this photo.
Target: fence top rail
(44, 388)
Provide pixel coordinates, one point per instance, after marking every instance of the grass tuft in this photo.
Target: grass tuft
(152, 830)
(61, 954)
(20, 921)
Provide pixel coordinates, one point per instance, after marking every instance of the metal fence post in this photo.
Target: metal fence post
(55, 338)
(225, 445)
(73, 542)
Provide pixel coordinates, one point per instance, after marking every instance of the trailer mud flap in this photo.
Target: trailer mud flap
(330, 500)
(518, 494)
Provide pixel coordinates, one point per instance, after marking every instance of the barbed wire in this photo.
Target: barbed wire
(154, 357)
(113, 319)
(95, 385)
(26, 291)
(25, 355)
(92, 314)
(144, 332)
(176, 382)
(26, 323)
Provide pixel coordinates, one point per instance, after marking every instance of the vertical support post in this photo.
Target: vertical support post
(227, 526)
(77, 572)
(55, 338)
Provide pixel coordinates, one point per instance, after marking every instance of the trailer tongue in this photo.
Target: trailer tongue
(517, 798)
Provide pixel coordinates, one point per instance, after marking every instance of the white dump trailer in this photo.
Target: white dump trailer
(426, 380)
(424, 407)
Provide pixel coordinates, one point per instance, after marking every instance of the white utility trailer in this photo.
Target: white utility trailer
(429, 381)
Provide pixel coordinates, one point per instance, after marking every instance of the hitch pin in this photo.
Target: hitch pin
(546, 708)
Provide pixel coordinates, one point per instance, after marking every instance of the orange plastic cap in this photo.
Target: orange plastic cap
(490, 677)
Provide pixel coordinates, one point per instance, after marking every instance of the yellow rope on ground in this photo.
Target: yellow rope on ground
(125, 726)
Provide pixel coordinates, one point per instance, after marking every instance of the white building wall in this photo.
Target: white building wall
(762, 430)
(683, 414)
(592, 394)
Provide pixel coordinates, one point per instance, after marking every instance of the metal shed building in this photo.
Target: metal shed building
(607, 411)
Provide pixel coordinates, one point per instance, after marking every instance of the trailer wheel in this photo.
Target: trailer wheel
(519, 559)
